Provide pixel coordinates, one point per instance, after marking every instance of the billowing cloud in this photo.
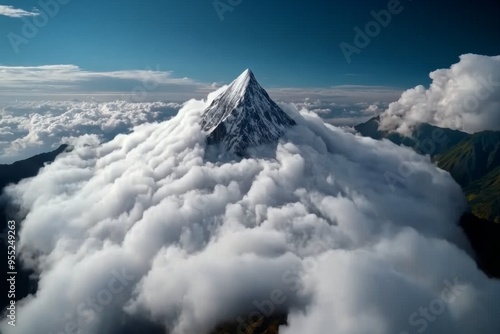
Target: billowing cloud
(154, 226)
(11, 11)
(29, 128)
(465, 97)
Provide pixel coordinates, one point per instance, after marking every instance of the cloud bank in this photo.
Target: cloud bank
(70, 81)
(348, 113)
(10, 11)
(464, 97)
(29, 128)
(155, 227)
(67, 82)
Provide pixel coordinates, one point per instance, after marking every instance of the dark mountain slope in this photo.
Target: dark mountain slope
(426, 138)
(14, 173)
(471, 159)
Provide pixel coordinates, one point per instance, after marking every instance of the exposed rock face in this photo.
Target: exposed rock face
(244, 116)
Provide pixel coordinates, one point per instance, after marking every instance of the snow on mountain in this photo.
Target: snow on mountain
(329, 230)
(244, 116)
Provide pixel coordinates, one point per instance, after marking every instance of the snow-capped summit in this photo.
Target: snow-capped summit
(243, 116)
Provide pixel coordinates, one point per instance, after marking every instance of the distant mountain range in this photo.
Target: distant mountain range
(473, 160)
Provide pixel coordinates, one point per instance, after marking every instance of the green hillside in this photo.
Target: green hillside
(484, 196)
(262, 325)
(426, 139)
(475, 164)
(472, 159)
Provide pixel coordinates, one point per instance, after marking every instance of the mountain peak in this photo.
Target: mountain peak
(241, 84)
(244, 115)
(246, 74)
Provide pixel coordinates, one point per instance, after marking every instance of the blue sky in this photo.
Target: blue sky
(286, 43)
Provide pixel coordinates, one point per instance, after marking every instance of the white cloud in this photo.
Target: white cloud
(207, 237)
(29, 128)
(32, 127)
(65, 82)
(465, 97)
(352, 112)
(347, 121)
(372, 110)
(69, 81)
(345, 94)
(10, 11)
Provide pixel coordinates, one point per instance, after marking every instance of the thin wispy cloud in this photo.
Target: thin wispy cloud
(10, 11)
(72, 81)
(51, 82)
(348, 94)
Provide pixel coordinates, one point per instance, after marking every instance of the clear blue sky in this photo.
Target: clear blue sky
(286, 42)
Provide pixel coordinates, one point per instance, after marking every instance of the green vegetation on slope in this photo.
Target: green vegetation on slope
(426, 139)
(475, 164)
(472, 160)
(258, 325)
(483, 196)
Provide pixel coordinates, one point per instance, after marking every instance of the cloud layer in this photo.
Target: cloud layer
(342, 104)
(29, 128)
(464, 97)
(349, 113)
(155, 226)
(70, 81)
